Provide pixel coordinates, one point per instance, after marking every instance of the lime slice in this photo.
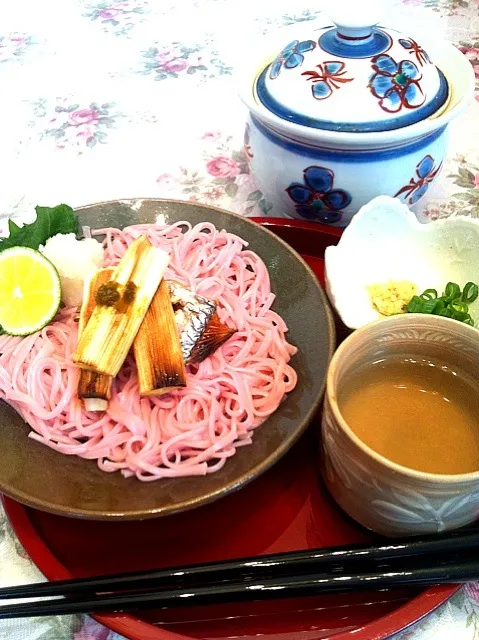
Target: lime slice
(30, 291)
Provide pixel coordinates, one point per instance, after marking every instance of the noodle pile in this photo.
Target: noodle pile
(188, 432)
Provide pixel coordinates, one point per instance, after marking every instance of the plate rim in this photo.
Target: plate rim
(260, 467)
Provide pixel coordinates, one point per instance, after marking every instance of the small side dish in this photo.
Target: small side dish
(387, 262)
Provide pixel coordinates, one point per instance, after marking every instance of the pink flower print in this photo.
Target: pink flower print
(79, 134)
(223, 167)
(77, 126)
(84, 116)
(245, 181)
(169, 62)
(175, 66)
(470, 53)
(432, 211)
(109, 13)
(85, 132)
(212, 136)
(17, 40)
(213, 193)
(476, 180)
(13, 46)
(117, 17)
(165, 55)
(166, 179)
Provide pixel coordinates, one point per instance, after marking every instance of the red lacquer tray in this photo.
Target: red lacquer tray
(287, 508)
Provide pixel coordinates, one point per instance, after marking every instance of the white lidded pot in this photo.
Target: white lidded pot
(354, 111)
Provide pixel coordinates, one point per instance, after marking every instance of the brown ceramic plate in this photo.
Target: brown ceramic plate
(40, 477)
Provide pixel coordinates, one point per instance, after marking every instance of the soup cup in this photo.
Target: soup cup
(383, 496)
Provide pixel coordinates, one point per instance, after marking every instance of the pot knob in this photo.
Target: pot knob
(355, 33)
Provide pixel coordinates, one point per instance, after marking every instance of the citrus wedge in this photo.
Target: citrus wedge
(30, 291)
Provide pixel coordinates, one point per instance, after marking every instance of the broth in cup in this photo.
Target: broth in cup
(400, 427)
(419, 413)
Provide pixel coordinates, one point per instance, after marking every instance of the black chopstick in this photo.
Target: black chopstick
(270, 566)
(462, 569)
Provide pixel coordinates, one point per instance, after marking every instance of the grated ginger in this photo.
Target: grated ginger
(392, 297)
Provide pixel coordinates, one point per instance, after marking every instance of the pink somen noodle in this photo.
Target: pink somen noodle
(189, 432)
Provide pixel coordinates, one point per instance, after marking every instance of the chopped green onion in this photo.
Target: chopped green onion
(452, 291)
(440, 305)
(459, 307)
(429, 294)
(447, 313)
(415, 305)
(429, 305)
(452, 304)
(470, 292)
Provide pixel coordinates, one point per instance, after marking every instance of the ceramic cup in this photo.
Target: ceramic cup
(379, 494)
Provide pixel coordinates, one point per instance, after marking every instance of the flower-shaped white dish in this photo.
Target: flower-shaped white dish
(385, 241)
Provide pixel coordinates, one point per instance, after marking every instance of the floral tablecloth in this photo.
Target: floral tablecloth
(105, 99)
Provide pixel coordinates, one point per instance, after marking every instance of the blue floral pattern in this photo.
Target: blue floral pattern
(291, 56)
(414, 49)
(316, 199)
(419, 184)
(329, 77)
(396, 84)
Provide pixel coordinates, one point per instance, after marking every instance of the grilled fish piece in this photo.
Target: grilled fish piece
(201, 331)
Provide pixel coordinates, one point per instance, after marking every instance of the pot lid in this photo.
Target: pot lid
(353, 76)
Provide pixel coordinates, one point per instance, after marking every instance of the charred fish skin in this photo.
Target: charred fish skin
(215, 334)
(193, 314)
(200, 315)
(201, 331)
(180, 295)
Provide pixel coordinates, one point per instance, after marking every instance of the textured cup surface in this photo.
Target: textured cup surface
(382, 495)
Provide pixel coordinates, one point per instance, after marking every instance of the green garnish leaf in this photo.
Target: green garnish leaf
(49, 222)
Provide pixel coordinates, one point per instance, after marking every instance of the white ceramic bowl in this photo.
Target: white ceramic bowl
(382, 495)
(385, 242)
(327, 175)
